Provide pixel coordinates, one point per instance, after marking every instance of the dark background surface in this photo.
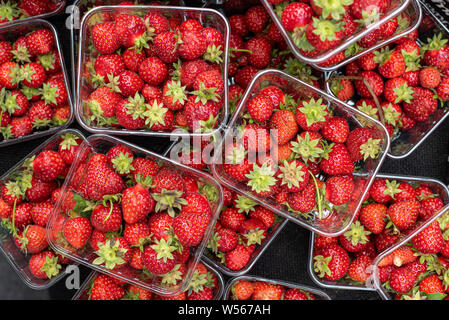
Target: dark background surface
(286, 258)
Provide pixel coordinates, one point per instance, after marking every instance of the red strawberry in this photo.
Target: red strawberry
(104, 288)
(101, 180)
(44, 265)
(402, 280)
(130, 31)
(34, 239)
(242, 290)
(153, 71)
(104, 38)
(158, 258)
(429, 207)
(296, 15)
(77, 231)
(339, 189)
(431, 284)
(331, 263)
(361, 144)
(238, 258)
(337, 160)
(267, 291)
(404, 213)
(429, 77)
(260, 108)
(40, 41)
(422, 104)
(40, 190)
(303, 201)
(190, 227)
(166, 46)
(336, 129)
(311, 115)
(372, 216)
(430, 240)
(106, 219)
(373, 79)
(358, 268)
(399, 257)
(256, 18)
(384, 191)
(48, 165)
(231, 218)
(284, 122)
(260, 49)
(436, 52)
(41, 213)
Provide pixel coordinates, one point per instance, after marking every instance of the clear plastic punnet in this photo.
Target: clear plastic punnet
(13, 32)
(17, 258)
(404, 142)
(207, 17)
(329, 223)
(124, 269)
(57, 5)
(395, 9)
(318, 294)
(346, 283)
(83, 292)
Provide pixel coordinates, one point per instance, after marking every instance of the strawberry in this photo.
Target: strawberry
(267, 291)
(166, 46)
(443, 89)
(104, 38)
(103, 288)
(355, 239)
(129, 83)
(44, 265)
(242, 290)
(238, 258)
(391, 63)
(375, 82)
(133, 58)
(404, 214)
(337, 160)
(399, 257)
(102, 103)
(264, 215)
(384, 191)
(40, 41)
(311, 115)
(421, 105)
(429, 77)
(101, 180)
(9, 75)
(402, 280)
(193, 45)
(303, 201)
(33, 75)
(225, 240)
(296, 15)
(284, 122)
(68, 147)
(430, 240)
(429, 207)
(339, 189)
(436, 52)
(358, 268)
(260, 49)
(157, 22)
(431, 284)
(323, 34)
(107, 67)
(48, 165)
(238, 25)
(331, 263)
(54, 92)
(158, 258)
(361, 144)
(231, 218)
(336, 129)
(40, 114)
(33, 239)
(297, 294)
(153, 71)
(190, 227)
(384, 240)
(260, 108)
(256, 18)
(130, 31)
(130, 112)
(343, 89)
(372, 216)
(77, 231)
(106, 219)
(41, 213)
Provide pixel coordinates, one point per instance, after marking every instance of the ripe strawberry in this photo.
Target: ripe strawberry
(41, 213)
(40, 41)
(355, 239)
(296, 15)
(158, 258)
(166, 46)
(331, 263)
(339, 189)
(130, 31)
(402, 280)
(267, 291)
(429, 77)
(104, 288)
(190, 227)
(404, 214)
(436, 52)
(311, 115)
(260, 108)
(77, 231)
(226, 240)
(238, 258)
(256, 18)
(303, 201)
(343, 89)
(358, 268)
(372, 216)
(9, 75)
(44, 265)
(101, 180)
(443, 89)
(373, 79)
(48, 165)
(431, 284)
(231, 218)
(104, 38)
(422, 104)
(429, 207)
(361, 144)
(33, 239)
(193, 45)
(260, 49)
(109, 66)
(106, 219)
(337, 160)
(284, 122)
(153, 71)
(430, 240)
(242, 290)
(384, 191)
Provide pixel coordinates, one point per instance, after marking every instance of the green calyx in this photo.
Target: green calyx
(353, 50)
(207, 125)
(15, 74)
(237, 155)
(155, 114)
(69, 140)
(391, 188)
(299, 69)
(391, 116)
(321, 265)
(382, 55)
(123, 163)
(261, 178)
(199, 282)
(142, 41)
(26, 73)
(204, 94)
(173, 277)
(244, 204)
(314, 110)
(412, 60)
(136, 106)
(21, 54)
(435, 43)
(9, 103)
(253, 236)
(370, 149)
(110, 254)
(300, 40)
(443, 220)
(369, 17)
(368, 109)
(47, 61)
(209, 191)
(169, 200)
(212, 244)
(213, 54)
(333, 8)
(292, 173)
(164, 249)
(403, 93)
(30, 92)
(145, 180)
(177, 92)
(9, 11)
(49, 93)
(357, 234)
(326, 29)
(51, 267)
(307, 149)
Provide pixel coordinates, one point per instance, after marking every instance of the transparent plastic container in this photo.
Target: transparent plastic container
(341, 220)
(16, 258)
(396, 7)
(272, 233)
(208, 17)
(406, 142)
(319, 295)
(83, 292)
(14, 31)
(46, 15)
(101, 144)
(404, 241)
(348, 284)
(414, 10)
